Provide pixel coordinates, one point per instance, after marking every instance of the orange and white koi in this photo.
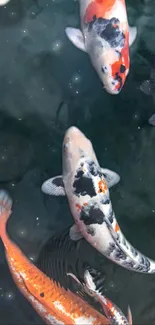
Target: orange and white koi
(86, 186)
(113, 313)
(53, 303)
(106, 37)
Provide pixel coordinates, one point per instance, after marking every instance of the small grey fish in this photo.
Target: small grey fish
(148, 88)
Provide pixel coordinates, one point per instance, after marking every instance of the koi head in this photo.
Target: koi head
(113, 72)
(82, 176)
(76, 147)
(111, 64)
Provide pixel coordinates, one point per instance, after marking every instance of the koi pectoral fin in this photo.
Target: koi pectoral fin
(90, 287)
(76, 37)
(54, 186)
(74, 277)
(129, 316)
(132, 34)
(98, 279)
(83, 290)
(75, 233)
(111, 177)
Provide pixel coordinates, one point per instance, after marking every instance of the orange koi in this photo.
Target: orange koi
(53, 303)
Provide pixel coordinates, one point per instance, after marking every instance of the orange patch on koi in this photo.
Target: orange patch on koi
(117, 228)
(123, 60)
(102, 186)
(78, 206)
(97, 8)
(111, 307)
(109, 304)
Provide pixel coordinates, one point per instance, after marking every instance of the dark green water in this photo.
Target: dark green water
(47, 85)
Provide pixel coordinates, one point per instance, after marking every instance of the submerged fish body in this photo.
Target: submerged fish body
(105, 35)
(61, 255)
(86, 186)
(148, 88)
(53, 303)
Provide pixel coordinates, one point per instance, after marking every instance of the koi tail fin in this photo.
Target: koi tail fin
(5, 210)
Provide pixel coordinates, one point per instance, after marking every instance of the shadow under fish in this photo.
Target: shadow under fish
(61, 255)
(70, 264)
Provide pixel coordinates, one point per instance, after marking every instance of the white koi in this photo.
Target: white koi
(86, 186)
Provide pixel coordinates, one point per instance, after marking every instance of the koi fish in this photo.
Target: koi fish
(86, 186)
(106, 37)
(53, 303)
(113, 313)
(148, 88)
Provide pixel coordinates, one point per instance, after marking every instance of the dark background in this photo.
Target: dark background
(47, 85)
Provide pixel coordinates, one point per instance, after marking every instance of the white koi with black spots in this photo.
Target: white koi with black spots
(86, 186)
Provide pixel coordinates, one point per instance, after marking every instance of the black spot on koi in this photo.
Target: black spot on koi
(92, 215)
(83, 185)
(109, 30)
